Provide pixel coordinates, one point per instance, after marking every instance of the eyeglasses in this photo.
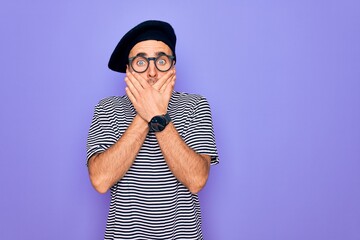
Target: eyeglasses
(162, 62)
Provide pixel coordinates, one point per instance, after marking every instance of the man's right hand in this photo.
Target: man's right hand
(148, 100)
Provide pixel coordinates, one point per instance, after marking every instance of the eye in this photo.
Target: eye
(141, 62)
(161, 61)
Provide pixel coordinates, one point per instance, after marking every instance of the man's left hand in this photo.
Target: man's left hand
(150, 100)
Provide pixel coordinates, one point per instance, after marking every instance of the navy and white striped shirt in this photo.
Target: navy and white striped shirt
(149, 202)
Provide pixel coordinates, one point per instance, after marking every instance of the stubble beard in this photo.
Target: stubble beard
(152, 81)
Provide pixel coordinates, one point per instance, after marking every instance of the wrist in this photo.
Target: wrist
(159, 122)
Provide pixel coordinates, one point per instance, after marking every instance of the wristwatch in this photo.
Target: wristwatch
(158, 123)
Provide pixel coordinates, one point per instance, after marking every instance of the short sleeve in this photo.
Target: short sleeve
(101, 135)
(200, 133)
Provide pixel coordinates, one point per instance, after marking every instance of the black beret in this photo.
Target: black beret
(148, 30)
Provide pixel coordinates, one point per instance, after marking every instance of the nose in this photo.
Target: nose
(152, 71)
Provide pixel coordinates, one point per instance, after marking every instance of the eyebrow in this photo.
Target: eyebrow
(142, 54)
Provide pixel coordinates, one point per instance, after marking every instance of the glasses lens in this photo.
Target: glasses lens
(139, 64)
(163, 63)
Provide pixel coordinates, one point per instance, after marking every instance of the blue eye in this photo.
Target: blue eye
(141, 63)
(161, 61)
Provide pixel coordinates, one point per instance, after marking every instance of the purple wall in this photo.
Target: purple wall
(283, 81)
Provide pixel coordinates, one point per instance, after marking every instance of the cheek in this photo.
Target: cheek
(160, 74)
(144, 75)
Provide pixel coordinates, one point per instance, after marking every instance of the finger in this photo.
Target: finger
(166, 78)
(130, 86)
(159, 84)
(130, 95)
(143, 82)
(169, 90)
(170, 80)
(164, 86)
(134, 80)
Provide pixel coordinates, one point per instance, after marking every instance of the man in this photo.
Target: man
(152, 147)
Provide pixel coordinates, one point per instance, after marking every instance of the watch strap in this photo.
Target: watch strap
(167, 118)
(154, 122)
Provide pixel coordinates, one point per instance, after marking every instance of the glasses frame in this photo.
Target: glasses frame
(148, 59)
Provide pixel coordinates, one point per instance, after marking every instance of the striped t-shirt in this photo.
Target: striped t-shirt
(149, 202)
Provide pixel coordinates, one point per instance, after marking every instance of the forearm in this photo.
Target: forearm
(108, 167)
(190, 168)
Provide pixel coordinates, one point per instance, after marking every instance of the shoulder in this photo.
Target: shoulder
(114, 104)
(113, 101)
(190, 98)
(187, 104)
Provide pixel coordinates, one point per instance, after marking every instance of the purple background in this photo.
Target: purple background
(283, 81)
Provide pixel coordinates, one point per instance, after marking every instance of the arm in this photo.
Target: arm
(190, 168)
(108, 167)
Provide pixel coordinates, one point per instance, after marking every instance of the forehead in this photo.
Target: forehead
(150, 48)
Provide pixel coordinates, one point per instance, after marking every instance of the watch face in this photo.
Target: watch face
(158, 123)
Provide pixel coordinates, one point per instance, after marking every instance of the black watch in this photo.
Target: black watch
(158, 123)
